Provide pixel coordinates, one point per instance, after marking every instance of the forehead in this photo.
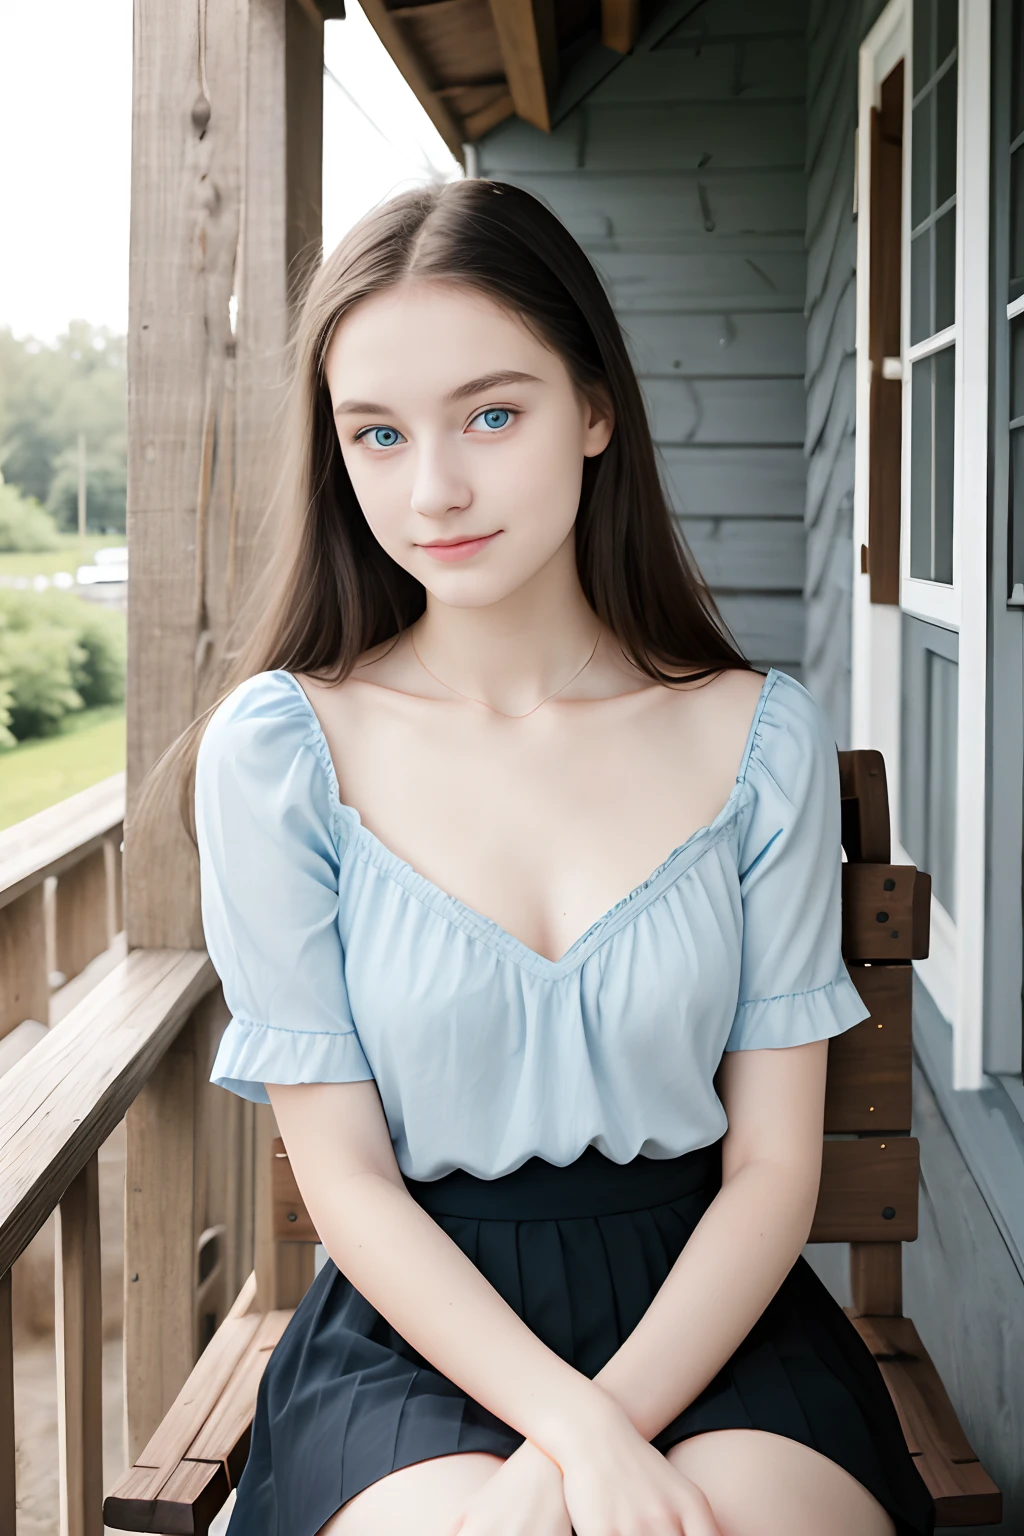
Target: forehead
(433, 334)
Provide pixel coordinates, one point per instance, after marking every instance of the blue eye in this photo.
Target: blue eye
(495, 418)
(382, 437)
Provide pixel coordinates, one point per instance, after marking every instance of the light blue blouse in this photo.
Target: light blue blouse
(340, 962)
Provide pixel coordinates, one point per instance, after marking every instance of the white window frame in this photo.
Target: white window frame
(954, 969)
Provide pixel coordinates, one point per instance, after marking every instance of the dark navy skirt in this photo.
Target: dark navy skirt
(579, 1252)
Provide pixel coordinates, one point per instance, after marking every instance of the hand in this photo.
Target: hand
(616, 1484)
(523, 1498)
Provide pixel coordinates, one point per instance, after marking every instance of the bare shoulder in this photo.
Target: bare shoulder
(717, 712)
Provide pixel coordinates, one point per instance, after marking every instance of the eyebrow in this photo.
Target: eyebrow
(461, 392)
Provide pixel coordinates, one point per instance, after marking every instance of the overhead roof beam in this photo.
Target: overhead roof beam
(529, 50)
(396, 43)
(619, 22)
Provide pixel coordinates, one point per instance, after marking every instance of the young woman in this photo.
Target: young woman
(524, 891)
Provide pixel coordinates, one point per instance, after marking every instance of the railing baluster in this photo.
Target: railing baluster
(82, 916)
(79, 1341)
(8, 1499)
(24, 982)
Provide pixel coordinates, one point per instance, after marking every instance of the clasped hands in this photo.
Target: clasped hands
(608, 1481)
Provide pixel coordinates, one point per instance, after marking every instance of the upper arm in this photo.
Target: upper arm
(775, 1104)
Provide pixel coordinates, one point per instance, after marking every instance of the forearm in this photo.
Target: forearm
(734, 1262)
(398, 1257)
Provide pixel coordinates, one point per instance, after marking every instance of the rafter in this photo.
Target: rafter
(397, 44)
(619, 22)
(529, 49)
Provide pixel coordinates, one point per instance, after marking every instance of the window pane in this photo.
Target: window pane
(945, 137)
(921, 167)
(941, 775)
(923, 66)
(921, 469)
(945, 269)
(921, 285)
(942, 417)
(945, 30)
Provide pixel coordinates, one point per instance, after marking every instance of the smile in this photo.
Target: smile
(460, 549)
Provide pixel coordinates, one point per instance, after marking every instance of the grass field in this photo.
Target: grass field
(73, 552)
(38, 773)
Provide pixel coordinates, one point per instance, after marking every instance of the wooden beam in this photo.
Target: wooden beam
(8, 1495)
(412, 67)
(620, 20)
(529, 48)
(79, 1341)
(54, 839)
(66, 1095)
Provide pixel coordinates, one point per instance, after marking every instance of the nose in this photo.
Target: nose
(438, 485)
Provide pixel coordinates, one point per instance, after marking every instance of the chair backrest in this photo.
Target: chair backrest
(869, 1181)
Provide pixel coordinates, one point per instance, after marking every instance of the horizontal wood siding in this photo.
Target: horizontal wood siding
(682, 175)
(834, 35)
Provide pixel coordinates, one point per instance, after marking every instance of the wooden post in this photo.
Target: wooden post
(8, 1499)
(82, 916)
(79, 1339)
(226, 170)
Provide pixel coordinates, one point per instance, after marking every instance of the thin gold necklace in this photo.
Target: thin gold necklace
(483, 702)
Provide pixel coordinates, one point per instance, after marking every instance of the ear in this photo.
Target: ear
(598, 422)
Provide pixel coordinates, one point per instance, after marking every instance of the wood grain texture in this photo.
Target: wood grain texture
(8, 1488)
(159, 1243)
(868, 1089)
(63, 1099)
(55, 839)
(527, 39)
(82, 913)
(24, 979)
(79, 1343)
(861, 1181)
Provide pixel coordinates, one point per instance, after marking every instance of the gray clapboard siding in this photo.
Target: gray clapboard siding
(740, 69)
(766, 280)
(834, 35)
(735, 482)
(682, 136)
(752, 554)
(682, 174)
(755, 411)
(717, 344)
(666, 205)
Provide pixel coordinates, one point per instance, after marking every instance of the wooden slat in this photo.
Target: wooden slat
(963, 1492)
(191, 1497)
(159, 1243)
(284, 1271)
(54, 839)
(885, 912)
(8, 1496)
(79, 1341)
(619, 22)
(869, 1082)
(859, 1181)
(228, 1422)
(529, 49)
(291, 1219)
(863, 790)
(82, 913)
(876, 1279)
(62, 1099)
(24, 981)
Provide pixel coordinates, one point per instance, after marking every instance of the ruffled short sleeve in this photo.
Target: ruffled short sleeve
(794, 984)
(269, 866)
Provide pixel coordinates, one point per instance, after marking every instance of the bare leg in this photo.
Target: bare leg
(760, 1484)
(425, 1498)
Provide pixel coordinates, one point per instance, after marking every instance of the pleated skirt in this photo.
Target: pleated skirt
(579, 1252)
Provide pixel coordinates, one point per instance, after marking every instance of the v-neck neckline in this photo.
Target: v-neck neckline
(477, 923)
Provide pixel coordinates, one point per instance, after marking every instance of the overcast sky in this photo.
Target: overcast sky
(65, 153)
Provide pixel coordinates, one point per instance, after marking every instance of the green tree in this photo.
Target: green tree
(23, 523)
(50, 394)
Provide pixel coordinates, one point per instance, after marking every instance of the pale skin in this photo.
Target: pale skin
(542, 823)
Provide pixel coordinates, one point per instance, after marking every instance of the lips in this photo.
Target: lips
(458, 549)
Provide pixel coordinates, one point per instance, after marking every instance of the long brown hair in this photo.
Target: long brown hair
(332, 592)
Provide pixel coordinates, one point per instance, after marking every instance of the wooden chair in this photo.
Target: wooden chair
(868, 1197)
